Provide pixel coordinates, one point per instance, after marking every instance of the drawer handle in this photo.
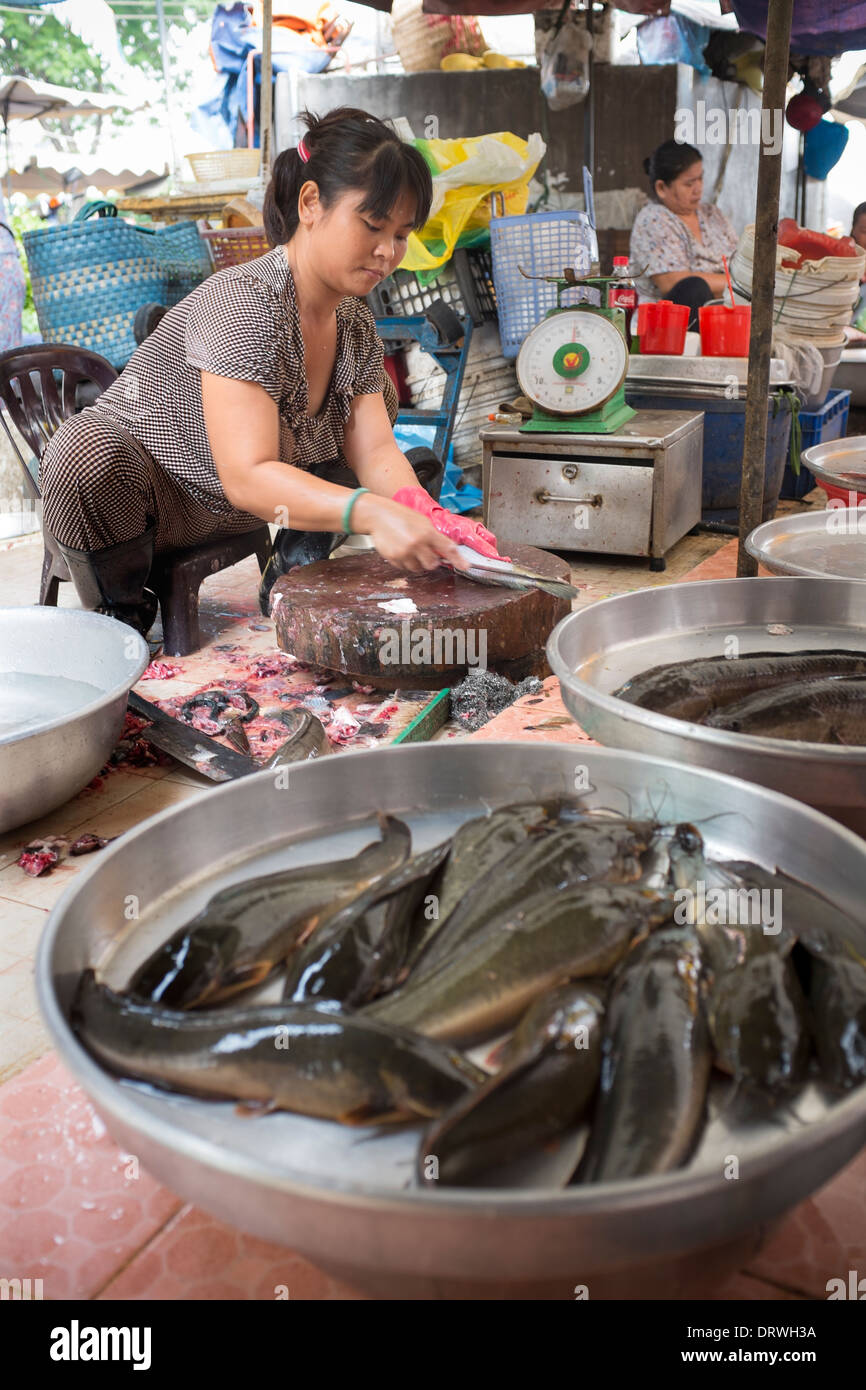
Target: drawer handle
(544, 496)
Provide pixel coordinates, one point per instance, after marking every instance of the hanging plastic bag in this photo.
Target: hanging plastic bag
(465, 172)
(565, 63)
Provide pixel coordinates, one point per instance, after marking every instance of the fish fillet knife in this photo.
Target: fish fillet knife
(195, 750)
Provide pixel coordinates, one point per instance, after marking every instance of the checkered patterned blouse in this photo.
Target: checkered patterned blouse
(243, 323)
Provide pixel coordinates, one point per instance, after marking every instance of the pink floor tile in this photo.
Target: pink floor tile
(197, 1257)
(747, 1287)
(73, 1209)
(722, 565)
(535, 718)
(823, 1239)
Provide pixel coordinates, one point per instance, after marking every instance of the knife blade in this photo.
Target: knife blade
(194, 749)
(508, 575)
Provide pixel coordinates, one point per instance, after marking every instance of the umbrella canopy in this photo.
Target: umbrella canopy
(76, 174)
(24, 100)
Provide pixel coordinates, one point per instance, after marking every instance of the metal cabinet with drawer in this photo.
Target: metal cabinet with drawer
(634, 492)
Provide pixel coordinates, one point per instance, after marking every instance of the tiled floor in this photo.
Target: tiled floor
(76, 1212)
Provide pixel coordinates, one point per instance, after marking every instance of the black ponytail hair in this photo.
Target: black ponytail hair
(669, 161)
(348, 149)
(859, 211)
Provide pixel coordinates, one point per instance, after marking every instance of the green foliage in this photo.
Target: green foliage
(40, 47)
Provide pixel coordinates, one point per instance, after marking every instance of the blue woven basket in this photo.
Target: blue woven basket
(90, 277)
(543, 243)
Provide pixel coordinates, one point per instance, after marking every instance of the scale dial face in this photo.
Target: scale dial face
(572, 362)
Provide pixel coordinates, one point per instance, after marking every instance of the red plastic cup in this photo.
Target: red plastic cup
(725, 329)
(662, 328)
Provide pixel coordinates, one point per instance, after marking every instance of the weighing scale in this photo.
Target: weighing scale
(572, 366)
(588, 472)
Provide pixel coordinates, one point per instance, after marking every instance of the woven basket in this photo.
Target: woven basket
(90, 277)
(234, 245)
(423, 40)
(215, 166)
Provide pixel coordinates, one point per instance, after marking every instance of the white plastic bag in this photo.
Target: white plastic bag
(565, 64)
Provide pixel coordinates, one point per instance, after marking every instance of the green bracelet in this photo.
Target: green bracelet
(347, 510)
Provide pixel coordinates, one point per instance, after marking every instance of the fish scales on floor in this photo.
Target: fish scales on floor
(624, 965)
(806, 697)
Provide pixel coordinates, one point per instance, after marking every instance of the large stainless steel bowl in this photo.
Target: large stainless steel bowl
(343, 1197)
(50, 756)
(819, 545)
(841, 462)
(596, 650)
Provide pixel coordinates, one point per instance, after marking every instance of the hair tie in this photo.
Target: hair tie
(303, 151)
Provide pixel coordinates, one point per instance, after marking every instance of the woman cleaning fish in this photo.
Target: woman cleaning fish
(262, 396)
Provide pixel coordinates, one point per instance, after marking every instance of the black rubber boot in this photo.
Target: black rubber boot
(291, 549)
(112, 580)
(429, 469)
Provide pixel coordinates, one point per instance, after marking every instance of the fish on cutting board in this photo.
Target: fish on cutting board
(508, 574)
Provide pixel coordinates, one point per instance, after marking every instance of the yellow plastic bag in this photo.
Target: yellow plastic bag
(468, 171)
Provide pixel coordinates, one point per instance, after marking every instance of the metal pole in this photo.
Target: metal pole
(589, 108)
(266, 108)
(763, 277)
(166, 77)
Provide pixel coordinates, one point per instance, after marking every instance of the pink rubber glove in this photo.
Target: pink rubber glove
(460, 529)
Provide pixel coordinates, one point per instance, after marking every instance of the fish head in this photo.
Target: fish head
(688, 838)
(188, 967)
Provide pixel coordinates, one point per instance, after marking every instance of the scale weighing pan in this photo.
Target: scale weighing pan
(816, 545)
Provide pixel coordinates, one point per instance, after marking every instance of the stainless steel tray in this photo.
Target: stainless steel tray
(841, 462)
(662, 372)
(596, 650)
(820, 545)
(49, 760)
(342, 1197)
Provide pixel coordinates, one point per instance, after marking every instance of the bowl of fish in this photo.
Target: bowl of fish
(763, 679)
(478, 1020)
(64, 680)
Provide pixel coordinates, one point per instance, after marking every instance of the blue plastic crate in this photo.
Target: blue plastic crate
(724, 441)
(830, 421)
(543, 243)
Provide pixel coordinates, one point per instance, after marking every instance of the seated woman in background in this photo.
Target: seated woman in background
(13, 288)
(677, 241)
(856, 334)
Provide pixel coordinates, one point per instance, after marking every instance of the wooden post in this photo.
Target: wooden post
(267, 102)
(763, 278)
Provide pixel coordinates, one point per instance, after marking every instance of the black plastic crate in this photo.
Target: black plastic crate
(465, 283)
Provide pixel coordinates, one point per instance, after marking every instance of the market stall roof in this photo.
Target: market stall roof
(818, 26)
(74, 173)
(24, 100)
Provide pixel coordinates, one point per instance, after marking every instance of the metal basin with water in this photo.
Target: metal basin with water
(64, 679)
